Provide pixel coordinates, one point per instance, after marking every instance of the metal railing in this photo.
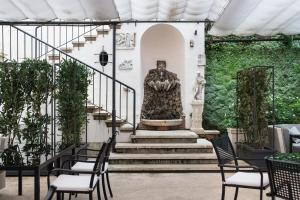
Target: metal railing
(17, 44)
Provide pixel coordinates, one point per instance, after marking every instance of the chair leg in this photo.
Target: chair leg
(70, 194)
(108, 183)
(63, 196)
(261, 194)
(58, 195)
(103, 187)
(223, 192)
(236, 193)
(90, 196)
(98, 191)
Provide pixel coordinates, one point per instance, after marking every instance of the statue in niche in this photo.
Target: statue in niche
(162, 98)
(200, 82)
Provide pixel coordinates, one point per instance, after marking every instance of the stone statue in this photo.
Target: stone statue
(200, 82)
(162, 98)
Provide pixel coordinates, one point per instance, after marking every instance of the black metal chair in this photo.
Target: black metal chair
(249, 177)
(284, 179)
(74, 182)
(83, 166)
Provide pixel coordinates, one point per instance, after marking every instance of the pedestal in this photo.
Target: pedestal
(197, 106)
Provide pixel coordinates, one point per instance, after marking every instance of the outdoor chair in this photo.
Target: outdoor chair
(74, 182)
(284, 179)
(81, 165)
(249, 177)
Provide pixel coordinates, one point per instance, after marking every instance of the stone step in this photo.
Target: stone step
(126, 127)
(90, 108)
(90, 38)
(165, 168)
(202, 146)
(176, 136)
(53, 57)
(66, 49)
(78, 44)
(102, 31)
(119, 122)
(101, 115)
(203, 158)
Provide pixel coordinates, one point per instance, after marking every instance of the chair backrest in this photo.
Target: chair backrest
(98, 163)
(284, 179)
(224, 150)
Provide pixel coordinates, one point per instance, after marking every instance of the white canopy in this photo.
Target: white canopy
(263, 17)
(238, 17)
(45, 10)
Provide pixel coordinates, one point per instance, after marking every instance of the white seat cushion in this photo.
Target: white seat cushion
(83, 166)
(74, 183)
(247, 179)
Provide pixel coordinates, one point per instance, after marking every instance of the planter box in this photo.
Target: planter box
(252, 155)
(2, 179)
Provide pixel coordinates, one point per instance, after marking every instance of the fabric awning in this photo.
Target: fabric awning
(46, 10)
(236, 17)
(262, 17)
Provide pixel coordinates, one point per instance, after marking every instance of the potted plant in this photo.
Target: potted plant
(72, 91)
(252, 114)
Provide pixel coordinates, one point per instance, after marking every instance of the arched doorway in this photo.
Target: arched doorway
(163, 42)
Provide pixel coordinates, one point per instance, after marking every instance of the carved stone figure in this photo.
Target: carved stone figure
(200, 82)
(162, 98)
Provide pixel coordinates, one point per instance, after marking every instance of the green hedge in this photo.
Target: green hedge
(225, 59)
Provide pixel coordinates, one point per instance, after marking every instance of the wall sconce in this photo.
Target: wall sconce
(191, 43)
(196, 32)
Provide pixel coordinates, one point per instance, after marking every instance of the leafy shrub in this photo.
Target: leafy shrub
(72, 84)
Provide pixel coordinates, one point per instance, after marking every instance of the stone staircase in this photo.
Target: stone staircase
(164, 151)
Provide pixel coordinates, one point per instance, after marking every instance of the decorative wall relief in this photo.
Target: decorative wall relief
(125, 40)
(126, 65)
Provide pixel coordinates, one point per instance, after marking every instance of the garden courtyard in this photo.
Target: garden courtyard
(149, 100)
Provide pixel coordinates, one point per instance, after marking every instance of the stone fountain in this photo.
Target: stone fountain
(162, 107)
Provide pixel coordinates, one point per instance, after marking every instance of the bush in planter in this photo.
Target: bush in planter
(252, 105)
(72, 85)
(253, 111)
(37, 87)
(12, 105)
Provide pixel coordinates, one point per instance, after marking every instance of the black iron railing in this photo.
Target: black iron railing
(17, 44)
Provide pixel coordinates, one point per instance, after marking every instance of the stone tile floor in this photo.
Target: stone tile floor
(145, 186)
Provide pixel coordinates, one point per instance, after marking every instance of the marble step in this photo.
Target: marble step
(126, 128)
(54, 57)
(102, 115)
(66, 49)
(203, 158)
(78, 44)
(90, 38)
(165, 168)
(202, 146)
(176, 136)
(119, 122)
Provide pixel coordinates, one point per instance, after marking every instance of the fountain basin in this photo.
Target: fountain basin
(162, 122)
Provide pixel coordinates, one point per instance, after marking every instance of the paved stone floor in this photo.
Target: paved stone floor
(144, 186)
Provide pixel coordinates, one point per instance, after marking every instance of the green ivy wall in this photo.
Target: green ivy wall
(225, 59)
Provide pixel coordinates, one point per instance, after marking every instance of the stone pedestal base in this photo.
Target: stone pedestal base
(197, 106)
(199, 131)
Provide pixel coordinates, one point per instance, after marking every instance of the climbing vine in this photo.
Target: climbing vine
(223, 62)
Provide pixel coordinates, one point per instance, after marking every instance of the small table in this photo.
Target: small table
(46, 161)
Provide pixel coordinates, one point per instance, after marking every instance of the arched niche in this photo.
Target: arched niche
(163, 42)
